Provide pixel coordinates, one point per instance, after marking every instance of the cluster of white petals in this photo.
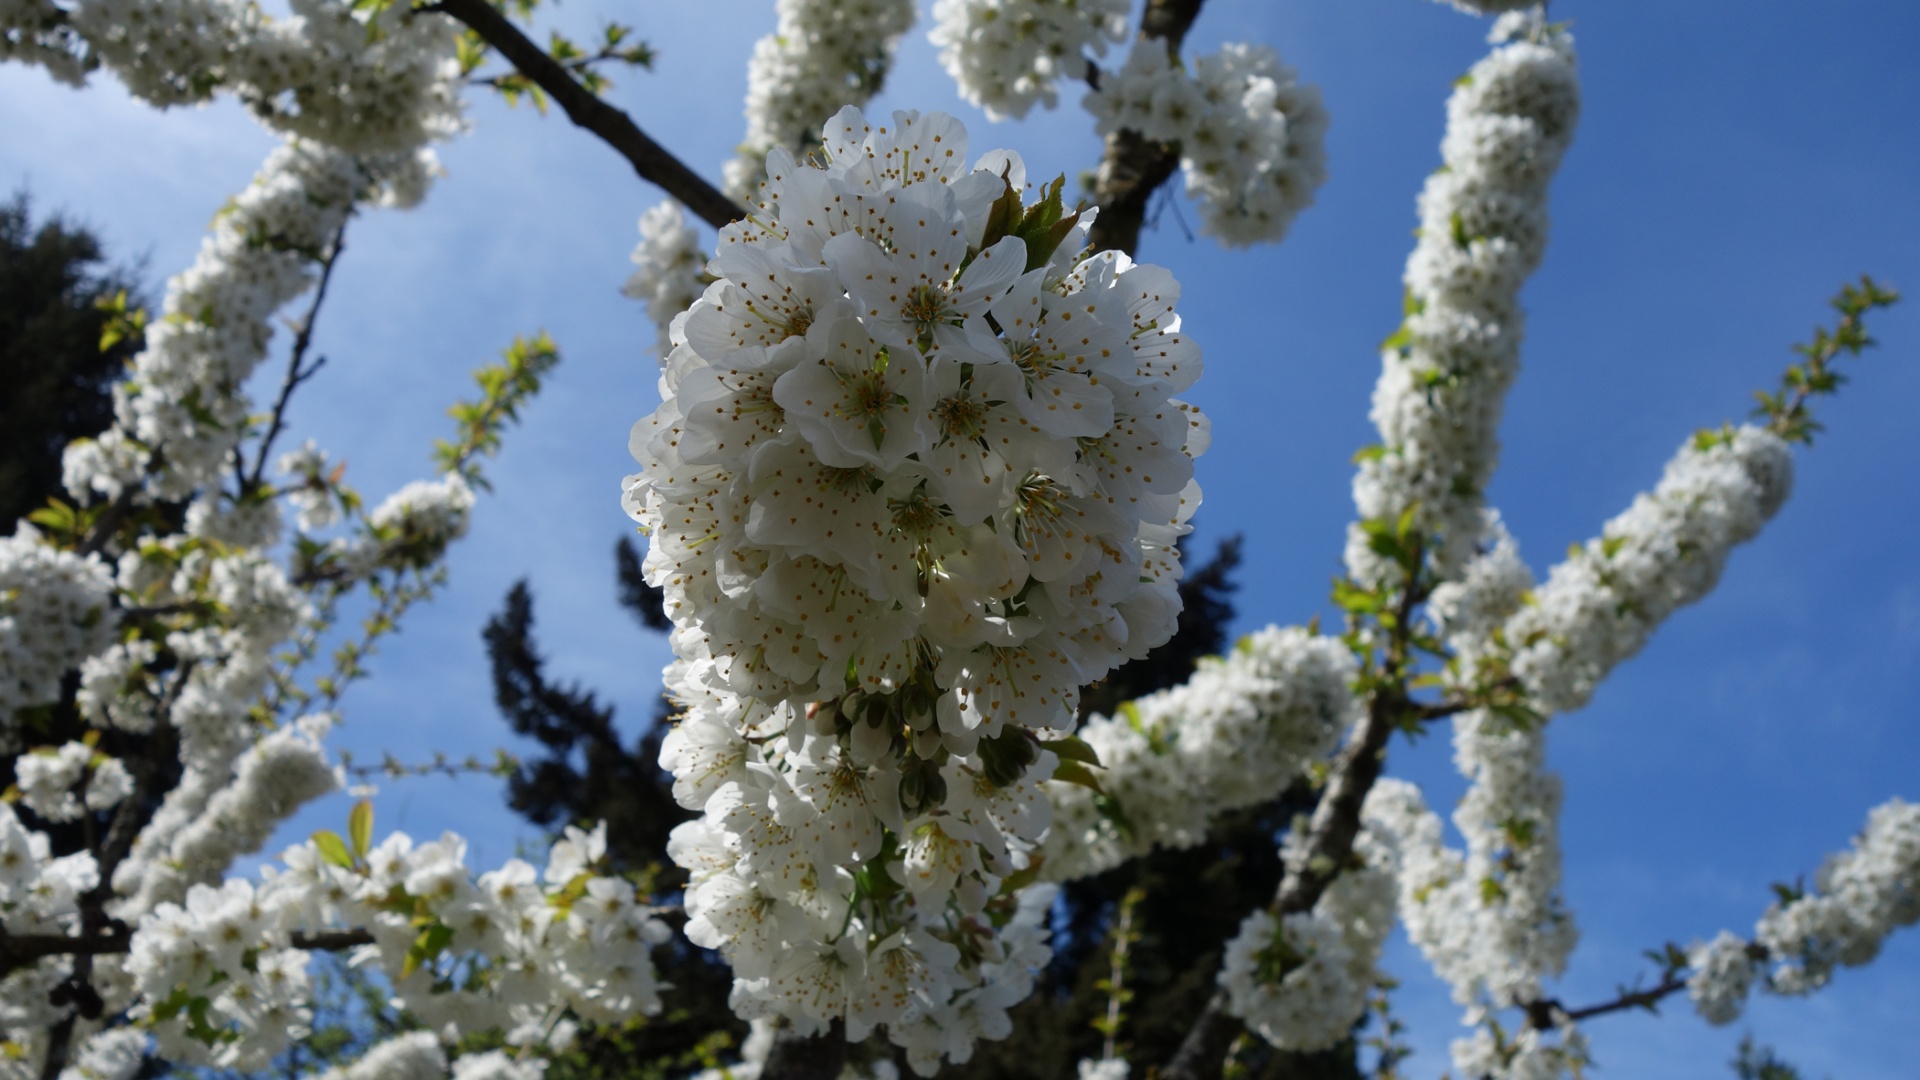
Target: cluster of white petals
(1006, 55)
(1104, 1069)
(911, 485)
(368, 78)
(1858, 897)
(1721, 974)
(411, 528)
(1301, 981)
(50, 781)
(1252, 137)
(56, 609)
(310, 490)
(193, 841)
(823, 55)
(182, 412)
(39, 894)
(110, 1054)
(1490, 920)
(1665, 551)
(1236, 733)
(222, 980)
(1483, 229)
(670, 268)
(1529, 1054)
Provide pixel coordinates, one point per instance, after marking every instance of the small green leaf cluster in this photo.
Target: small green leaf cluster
(504, 388)
(1785, 409)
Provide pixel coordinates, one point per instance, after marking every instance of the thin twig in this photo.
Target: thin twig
(296, 358)
(614, 127)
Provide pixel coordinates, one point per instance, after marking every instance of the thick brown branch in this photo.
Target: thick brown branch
(652, 161)
(1132, 168)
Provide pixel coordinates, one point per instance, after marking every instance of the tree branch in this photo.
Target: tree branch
(296, 358)
(1132, 167)
(648, 158)
(20, 950)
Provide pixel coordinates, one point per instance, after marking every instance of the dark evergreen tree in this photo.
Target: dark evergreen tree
(53, 278)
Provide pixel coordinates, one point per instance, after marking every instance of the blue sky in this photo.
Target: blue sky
(1734, 164)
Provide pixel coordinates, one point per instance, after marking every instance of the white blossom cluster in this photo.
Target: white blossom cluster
(56, 609)
(1483, 229)
(1006, 55)
(895, 536)
(110, 1054)
(222, 980)
(1301, 981)
(1858, 897)
(1236, 733)
(368, 78)
(1529, 1054)
(411, 528)
(822, 56)
(51, 779)
(316, 503)
(671, 269)
(1252, 137)
(209, 820)
(1665, 551)
(1490, 944)
(39, 894)
(1104, 1069)
(1490, 920)
(182, 412)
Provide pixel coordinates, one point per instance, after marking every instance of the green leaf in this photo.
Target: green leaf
(1073, 772)
(360, 828)
(1075, 748)
(332, 848)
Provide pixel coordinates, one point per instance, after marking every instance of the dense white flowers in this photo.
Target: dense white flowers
(916, 477)
(1301, 981)
(113, 1054)
(1235, 734)
(56, 610)
(366, 78)
(1006, 55)
(669, 268)
(412, 527)
(50, 781)
(1483, 229)
(1858, 897)
(825, 54)
(1252, 137)
(1104, 1069)
(39, 894)
(233, 959)
(1665, 551)
(1722, 972)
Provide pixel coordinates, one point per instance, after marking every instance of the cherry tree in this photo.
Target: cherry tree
(917, 472)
